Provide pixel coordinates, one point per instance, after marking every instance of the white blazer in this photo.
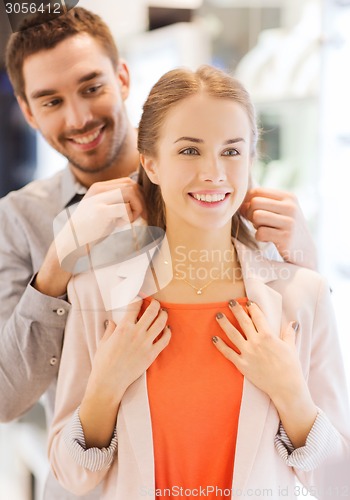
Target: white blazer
(284, 292)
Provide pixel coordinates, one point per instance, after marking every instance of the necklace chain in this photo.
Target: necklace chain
(198, 290)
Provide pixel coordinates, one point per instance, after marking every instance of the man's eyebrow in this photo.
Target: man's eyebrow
(48, 92)
(42, 93)
(90, 76)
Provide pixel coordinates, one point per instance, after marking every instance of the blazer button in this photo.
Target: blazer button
(61, 312)
(53, 361)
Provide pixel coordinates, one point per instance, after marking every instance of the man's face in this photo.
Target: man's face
(76, 100)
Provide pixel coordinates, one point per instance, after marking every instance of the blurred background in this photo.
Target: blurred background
(294, 57)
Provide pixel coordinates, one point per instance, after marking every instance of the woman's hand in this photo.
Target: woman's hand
(269, 362)
(123, 355)
(272, 365)
(128, 349)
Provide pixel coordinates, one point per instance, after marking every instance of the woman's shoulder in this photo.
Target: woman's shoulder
(299, 283)
(281, 274)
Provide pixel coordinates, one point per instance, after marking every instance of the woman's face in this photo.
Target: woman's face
(203, 161)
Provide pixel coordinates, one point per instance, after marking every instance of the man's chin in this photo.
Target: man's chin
(89, 169)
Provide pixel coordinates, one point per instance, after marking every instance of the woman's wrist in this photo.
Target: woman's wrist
(101, 395)
(98, 415)
(297, 413)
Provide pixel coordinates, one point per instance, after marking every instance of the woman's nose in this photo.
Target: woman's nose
(212, 170)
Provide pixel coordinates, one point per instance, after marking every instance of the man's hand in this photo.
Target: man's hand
(278, 218)
(130, 193)
(105, 207)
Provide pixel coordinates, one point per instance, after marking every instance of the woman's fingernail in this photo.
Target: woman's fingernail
(295, 326)
(215, 340)
(249, 303)
(232, 303)
(106, 323)
(219, 315)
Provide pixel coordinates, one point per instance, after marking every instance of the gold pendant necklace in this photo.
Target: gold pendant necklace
(198, 290)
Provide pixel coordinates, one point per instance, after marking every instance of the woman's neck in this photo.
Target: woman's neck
(194, 266)
(198, 246)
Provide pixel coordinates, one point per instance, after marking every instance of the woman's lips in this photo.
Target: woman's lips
(210, 199)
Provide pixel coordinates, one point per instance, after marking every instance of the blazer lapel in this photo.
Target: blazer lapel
(257, 274)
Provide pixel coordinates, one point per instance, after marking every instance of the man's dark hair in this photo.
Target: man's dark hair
(39, 33)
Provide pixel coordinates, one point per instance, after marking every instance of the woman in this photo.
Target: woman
(199, 391)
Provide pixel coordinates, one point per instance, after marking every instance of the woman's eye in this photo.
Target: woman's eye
(189, 151)
(230, 152)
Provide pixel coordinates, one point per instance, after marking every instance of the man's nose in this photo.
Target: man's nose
(78, 114)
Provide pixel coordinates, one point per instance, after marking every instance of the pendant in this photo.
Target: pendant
(199, 292)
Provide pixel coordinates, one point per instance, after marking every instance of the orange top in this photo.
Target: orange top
(195, 396)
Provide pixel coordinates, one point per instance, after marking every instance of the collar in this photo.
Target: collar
(70, 187)
(254, 263)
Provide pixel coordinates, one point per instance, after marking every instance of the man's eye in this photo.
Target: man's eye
(52, 104)
(93, 90)
(189, 151)
(230, 152)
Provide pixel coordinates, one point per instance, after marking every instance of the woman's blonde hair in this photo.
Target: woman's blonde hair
(171, 88)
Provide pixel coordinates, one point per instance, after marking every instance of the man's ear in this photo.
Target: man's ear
(28, 115)
(123, 79)
(150, 167)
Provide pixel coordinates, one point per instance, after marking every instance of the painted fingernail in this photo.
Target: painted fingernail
(295, 326)
(219, 315)
(249, 303)
(232, 303)
(106, 323)
(215, 340)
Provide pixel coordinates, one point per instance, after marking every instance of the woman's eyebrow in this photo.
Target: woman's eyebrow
(233, 141)
(192, 139)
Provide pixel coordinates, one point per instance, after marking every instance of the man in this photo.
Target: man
(71, 86)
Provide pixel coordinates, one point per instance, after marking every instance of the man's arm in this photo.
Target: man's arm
(278, 218)
(29, 355)
(33, 309)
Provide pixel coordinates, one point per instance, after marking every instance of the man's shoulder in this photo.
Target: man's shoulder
(38, 192)
(40, 188)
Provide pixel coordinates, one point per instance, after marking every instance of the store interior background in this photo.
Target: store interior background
(293, 56)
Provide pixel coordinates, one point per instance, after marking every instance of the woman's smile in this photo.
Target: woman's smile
(210, 199)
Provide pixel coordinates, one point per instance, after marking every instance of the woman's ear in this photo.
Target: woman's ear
(150, 166)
